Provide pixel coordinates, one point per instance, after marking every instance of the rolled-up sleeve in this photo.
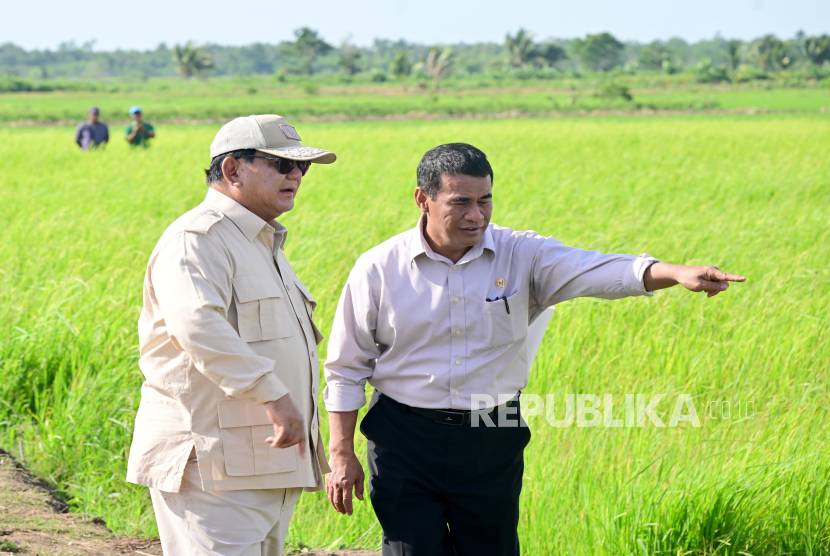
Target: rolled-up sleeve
(192, 277)
(352, 351)
(560, 273)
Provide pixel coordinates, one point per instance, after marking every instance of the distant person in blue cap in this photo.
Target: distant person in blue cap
(92, 133)
(139, 132)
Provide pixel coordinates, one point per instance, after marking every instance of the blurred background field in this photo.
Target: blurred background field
(747, 193)
(355, 102)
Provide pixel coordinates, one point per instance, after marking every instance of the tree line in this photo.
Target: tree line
(308, 53)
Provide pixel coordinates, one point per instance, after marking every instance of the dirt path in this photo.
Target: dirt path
(34, 522)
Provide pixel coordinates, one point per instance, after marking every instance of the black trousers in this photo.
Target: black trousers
(444, 490)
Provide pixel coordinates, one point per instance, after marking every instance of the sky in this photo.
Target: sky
(143, 25)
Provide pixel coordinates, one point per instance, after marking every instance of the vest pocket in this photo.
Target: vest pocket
(244, 427)
(262, 313)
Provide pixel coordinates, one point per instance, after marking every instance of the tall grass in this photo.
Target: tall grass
(748, 194)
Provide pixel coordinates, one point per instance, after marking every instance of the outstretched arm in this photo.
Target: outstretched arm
(559, 273)
(707, 279)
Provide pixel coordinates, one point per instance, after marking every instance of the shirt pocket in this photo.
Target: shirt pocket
(244, 427)
(502, 328)
(262, 312)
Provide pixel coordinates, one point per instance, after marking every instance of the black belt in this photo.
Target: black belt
(457, 417)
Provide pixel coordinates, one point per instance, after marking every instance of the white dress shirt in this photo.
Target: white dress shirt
(421, 330)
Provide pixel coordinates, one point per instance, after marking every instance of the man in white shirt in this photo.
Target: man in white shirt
(431, 318)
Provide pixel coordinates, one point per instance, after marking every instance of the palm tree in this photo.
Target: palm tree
(771, 53)
(437, 64)
(521, 50)
(401, 67)
(817, 49)
(191, 60)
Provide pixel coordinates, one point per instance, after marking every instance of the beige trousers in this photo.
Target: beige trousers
(193, 522)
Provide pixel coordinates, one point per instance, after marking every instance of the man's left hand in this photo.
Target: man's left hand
(709, 279)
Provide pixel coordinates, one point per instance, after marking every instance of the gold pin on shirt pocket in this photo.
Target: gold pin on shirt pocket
(262, 312)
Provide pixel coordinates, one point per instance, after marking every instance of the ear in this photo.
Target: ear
(230, 171)
(422, 200)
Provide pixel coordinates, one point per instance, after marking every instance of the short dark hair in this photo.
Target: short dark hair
(450, 160)
(214, 173)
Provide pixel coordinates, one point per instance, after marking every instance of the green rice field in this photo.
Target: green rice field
(749, 194)
(221, 100)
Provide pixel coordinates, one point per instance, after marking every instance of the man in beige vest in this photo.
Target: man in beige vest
(227, 433)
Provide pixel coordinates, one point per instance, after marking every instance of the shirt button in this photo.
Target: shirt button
(287, 288)
(457, 362)
(453, 268)
(457, 299)
(458, 332)
(456, 392)
(312, 354)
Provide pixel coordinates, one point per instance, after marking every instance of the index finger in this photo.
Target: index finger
(721, 275)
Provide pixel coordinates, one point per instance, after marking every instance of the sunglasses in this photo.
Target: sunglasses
(286, 166)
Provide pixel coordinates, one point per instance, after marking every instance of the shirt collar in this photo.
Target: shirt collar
(419, 245)
(248, 223)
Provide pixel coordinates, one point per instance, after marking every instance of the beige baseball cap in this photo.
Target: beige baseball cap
(267, 133)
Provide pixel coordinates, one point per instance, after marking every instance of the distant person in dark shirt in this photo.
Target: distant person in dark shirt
(92, 133)
(139, 132)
